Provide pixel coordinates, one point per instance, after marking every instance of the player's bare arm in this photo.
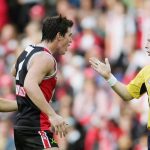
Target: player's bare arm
(13, 70)
(8, 105)
(104, 70)
(41, 66)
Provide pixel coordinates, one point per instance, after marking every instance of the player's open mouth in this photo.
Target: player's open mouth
(148, 53)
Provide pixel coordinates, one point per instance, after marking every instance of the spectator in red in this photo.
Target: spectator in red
(88, 37)
(3, 13)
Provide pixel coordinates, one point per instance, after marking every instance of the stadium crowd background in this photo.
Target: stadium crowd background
(116, 29)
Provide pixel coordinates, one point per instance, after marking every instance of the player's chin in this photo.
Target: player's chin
(62, 52)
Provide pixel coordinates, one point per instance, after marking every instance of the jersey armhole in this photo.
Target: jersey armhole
(55, 65)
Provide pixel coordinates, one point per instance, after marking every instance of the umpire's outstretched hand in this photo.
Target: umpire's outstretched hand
(103, 69)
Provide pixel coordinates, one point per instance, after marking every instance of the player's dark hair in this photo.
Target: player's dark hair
(54, 25)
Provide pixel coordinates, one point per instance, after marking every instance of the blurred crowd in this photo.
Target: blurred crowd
(116, 29)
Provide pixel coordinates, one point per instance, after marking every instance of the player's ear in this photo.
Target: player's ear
(59, 36)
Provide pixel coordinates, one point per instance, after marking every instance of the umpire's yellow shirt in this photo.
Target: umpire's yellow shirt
(141, 84)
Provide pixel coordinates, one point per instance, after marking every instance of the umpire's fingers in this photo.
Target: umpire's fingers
(107, 62)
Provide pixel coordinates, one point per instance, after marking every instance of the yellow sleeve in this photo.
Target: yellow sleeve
(136, 85)
(141, 84)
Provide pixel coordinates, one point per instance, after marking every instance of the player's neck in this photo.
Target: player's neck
(48, 46)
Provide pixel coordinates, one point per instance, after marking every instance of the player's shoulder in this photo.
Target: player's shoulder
(145, 69)
(42, 61)
(44, 57)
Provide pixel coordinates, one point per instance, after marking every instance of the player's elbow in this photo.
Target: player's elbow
(127, 98)
(14, 106)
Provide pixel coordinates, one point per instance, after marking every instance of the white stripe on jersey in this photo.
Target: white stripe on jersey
(29, 49)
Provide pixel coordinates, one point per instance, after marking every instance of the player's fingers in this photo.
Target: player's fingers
(52, 128)
(56, 129)
(62, 129)
(59, 130)
(65, 129)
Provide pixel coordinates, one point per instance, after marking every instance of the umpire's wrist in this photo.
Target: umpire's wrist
(111, 80)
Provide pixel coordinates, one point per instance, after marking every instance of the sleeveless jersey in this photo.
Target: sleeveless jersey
(29, 115)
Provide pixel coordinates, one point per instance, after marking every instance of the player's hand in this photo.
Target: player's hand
(59, 126)
(102, 68)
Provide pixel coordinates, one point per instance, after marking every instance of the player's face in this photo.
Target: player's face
(147, 47)
(65, 42)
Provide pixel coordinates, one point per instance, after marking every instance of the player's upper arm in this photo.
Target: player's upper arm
(40, 66)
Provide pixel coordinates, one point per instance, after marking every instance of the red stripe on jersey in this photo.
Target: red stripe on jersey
(47, 50)
(47, 86)
(44, 122)
(45, 139)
